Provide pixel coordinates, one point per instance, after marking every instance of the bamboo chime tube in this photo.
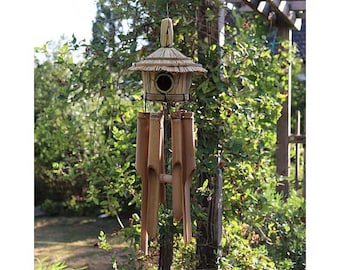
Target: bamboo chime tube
(177, 166)
(162, 170)
(154, 169)
(141, 166)
(188, 170)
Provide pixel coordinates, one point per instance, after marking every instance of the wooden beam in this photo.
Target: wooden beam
(283, 7)
(298, 5)
(258, 6)
(234, 1)
(295, 5)
(252, 3)
(275, 2)
(285, 14)
(264, 8)
(283, 124)
(245, 8)
(297, 139)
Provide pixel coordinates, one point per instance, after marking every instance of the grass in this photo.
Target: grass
(72, 243)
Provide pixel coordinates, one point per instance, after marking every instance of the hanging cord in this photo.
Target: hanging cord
(167, 10)
(144, 104)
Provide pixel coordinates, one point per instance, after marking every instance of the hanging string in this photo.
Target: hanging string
(144, 105)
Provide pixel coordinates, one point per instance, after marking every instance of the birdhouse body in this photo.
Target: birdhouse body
(166, 86)
(167, 73)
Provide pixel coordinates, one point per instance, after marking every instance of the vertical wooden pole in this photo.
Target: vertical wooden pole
(283, 124)
(166, 230)
(304, 163)
(207, 230)
(297, 150)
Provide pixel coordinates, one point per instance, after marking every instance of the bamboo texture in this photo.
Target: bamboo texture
(154, 171)
(150, 166)
(177, 166)
(188, 171)
(143, 122)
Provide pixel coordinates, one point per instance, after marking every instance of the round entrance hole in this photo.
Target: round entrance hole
(164, 82)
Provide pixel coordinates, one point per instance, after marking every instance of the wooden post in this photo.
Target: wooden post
(208, 236)
(304, 164)
(166, 231)
(297, 150)
(283, 124)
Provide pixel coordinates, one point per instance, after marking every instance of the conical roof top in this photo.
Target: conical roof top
(167, 58)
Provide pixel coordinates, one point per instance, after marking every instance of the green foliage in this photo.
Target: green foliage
(52, 208)
(298, 94)
(271, 230)
(131, 261)
(85, 129)
(103, 244)
(84, 135)
(184, 255)
(43, 264)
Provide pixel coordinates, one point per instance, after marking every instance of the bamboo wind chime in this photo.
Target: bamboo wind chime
(167, 76)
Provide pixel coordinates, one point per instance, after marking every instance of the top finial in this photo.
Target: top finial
(167, 33)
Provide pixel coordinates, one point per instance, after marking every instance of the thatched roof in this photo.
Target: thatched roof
(167, 58)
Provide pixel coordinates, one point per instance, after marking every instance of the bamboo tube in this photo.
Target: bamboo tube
(141, 166)
(189, 166)
(189, 145)
(177, 166)
(154, 169)
(162, 170)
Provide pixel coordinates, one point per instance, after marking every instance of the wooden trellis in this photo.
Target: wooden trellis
(286, 16)
(289, 13)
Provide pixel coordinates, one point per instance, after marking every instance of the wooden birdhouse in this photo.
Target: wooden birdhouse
(167, 73)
